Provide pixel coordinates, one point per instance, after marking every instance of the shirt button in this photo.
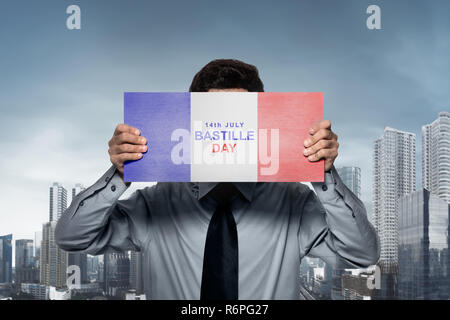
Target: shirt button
(324, 187)
(106, 179)
(81, 203)
(113, 188)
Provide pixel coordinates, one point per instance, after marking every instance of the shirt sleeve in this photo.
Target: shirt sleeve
(335, 228)
(97, 222)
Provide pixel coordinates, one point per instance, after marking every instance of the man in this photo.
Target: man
(225, 240)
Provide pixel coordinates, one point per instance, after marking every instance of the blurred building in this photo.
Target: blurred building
(354, 286)
(38, 291)
(25, 267)
(351, 176)
(58, 201)
(37, 248)
(6, 259)
(78, 259)
(436, 156)
(53, 261)
(424, 261)
(136, 275)
(116, 273)
(394, 175)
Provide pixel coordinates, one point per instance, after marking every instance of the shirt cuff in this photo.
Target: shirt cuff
(114, 185)
(326, 190)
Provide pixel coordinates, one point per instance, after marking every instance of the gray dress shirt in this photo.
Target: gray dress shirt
(278, 224)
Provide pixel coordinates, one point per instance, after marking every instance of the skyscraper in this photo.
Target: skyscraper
(58, 201)
(6, 258)
(53, 263)
(116, 273)
(351, 176)
(37, 247)
(394, 175)
(136, 265)
(436, 156)
(424, 262)
(79, 259)
(26, 271)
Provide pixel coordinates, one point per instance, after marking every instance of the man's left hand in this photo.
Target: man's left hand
(322, 144)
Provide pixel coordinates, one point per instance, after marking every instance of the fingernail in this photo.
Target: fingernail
(307, 142)
(311, 131)
(305, 152)
(144, 148)
(311, 158)
(137, 132)
(143, 140)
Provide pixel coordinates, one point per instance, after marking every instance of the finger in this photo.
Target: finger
(323, 154)
(120, 159)
(121, 128)
(321, 144)
(126, 137)
(325, 134)
(324, 124)
(128, 148)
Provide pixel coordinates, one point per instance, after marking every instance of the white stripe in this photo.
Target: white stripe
(222, 108)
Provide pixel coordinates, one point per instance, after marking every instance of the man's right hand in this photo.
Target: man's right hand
(126, 145)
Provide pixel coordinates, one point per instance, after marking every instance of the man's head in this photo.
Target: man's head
(227, 75)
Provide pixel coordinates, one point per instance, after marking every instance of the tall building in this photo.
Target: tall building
(394, 175)
(436, 156)
(58, 201)
(351, 176)
(79, 259)
(77, 189)
(53, 262)
(136, 267)
(116, 273)
(26, 271)
(6, 259)
(424, 261)
(37, 247)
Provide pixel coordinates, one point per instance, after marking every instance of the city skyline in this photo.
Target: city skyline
(66, 95)
(395, 166)
(351, 178)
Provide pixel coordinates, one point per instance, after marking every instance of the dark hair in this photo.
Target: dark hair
(227, 74)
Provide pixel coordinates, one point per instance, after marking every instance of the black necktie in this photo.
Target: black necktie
(220, 262)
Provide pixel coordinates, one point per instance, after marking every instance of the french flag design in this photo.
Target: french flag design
(223, 136)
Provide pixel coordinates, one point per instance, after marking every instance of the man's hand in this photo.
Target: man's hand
(322, 144)
(125, 145)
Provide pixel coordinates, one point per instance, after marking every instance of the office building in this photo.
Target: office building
(53, 261)
(424, 269)
(6, 259)
(26, 271)
(394, 175)
(58, 201)
(436, 156)
(351, 176)
(117, 273)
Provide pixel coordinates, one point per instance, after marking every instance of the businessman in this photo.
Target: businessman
(225, 241)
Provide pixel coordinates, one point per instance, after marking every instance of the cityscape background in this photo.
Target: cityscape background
(63, 96)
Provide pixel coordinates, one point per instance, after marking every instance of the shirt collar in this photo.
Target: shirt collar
(246, 188)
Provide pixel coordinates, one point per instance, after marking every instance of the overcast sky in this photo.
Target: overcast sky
(62, 91)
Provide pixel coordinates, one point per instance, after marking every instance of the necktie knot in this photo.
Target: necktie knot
(223, 192)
